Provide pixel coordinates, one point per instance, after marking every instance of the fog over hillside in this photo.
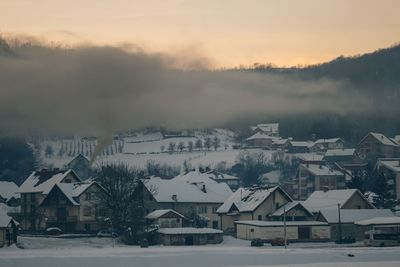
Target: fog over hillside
(100, 90)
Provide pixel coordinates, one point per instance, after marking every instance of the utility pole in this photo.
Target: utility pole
(284, 225)
(340, 224)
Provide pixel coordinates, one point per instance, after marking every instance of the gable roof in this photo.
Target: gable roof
(330, 140)
(302, 143)
(267, 127)
(72, 191)
(77, 157)
(259, 135)
(43, 181)
(340, 152)
(381, 138)
(321, 170)
(353, 215)
(216, 175)
(289, 206)
(159, 213)
(187, 189)
(248, 199)
(7, 189)
(319, 200)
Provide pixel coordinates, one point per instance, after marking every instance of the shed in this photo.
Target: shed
(8, 230)
(295, 230)
(166, 218)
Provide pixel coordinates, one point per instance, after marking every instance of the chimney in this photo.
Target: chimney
(204, 188)
(174, 198)
(325, 189)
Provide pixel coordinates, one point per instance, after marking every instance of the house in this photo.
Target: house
(310, 158)
(271, 129)
(81, 166)
(167, 218)
(330, 199)
(326, 144)
(59, 198)
(292, 211)
(295, 230)
(8, 193)
(377, 145)
(8, 230)
(189, 236)
(256, 203)
(340, 155)
(260, 139)
(299, 146)
(280, 143)
(312, 177)
(390, 168)
(347, 226)
(73, 207)
(381, 223)
(189, 193)
(232, 181)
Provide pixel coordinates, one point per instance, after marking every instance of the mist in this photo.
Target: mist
(99, 90)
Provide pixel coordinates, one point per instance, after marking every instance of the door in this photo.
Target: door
(215, 224)
(189, 240)
(304, 233)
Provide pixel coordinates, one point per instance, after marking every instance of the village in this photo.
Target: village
(321, 198)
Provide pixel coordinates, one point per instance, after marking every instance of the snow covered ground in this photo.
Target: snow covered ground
(100, 252)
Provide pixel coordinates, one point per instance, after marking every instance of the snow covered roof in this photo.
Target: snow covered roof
(340, 152)
(189, 188)
(248, 199)
(188, 230)
(391, 164)
(216, 175)
(144, 138)
(380, 221)
(288, 206)
(330, 140)
(319, 200)
(302, 143)
(353, 215)
(7, 209)
(43, 181)
(78, 157)
(281, 223)
(5, 220)
(382, 139)
(159, 213)
(267, 127)
(259, 135)
(72, 190)
(310, 157)
(321, 170)
(396, 139)
(7, 189)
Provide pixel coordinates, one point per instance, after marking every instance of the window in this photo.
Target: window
(277, 205)
(178, 220)
(260, 217)
(88, 196)
(203, 209)
(68, 181)
(87, 211)
(33, 197)
(214, 209)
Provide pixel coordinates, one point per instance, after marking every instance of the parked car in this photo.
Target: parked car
(279, 242)
(107, 233)
(257, 242)
(54, 231)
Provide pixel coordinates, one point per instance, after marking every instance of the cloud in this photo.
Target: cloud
(99, 90)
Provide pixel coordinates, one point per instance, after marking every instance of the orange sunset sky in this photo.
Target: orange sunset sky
(228, 32)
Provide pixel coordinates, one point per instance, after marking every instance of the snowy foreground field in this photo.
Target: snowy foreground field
(49, 252)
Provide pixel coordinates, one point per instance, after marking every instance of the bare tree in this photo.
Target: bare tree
(216, 143)
(122, 195)
(199, 144)
(190, 146)
(171, 147)
(181, 146)
(207, 143)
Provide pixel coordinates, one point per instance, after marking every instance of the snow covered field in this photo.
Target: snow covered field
(100, 252)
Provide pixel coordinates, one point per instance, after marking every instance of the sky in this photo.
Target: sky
(225, 33)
